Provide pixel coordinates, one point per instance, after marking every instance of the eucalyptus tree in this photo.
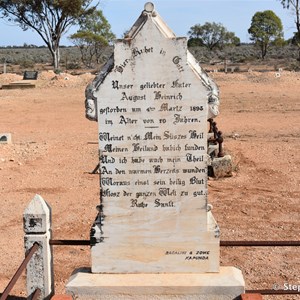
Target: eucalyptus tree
(93, 36)
(266, 27)
(211, 35)
(50, 19)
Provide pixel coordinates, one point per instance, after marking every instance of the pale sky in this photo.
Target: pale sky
(235, 15)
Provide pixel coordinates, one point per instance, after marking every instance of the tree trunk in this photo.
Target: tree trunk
(56, 58)
(83, 53)
(297, 9)
(263, 50)
(98, 51)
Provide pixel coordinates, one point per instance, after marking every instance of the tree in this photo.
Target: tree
(294, 5)
(266, 27)
(295, 40)
(211, 35)
(49, 18)
(92, 37)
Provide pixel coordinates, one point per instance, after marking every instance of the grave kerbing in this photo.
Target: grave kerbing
(152, 101)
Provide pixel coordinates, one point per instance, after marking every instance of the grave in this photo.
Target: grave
(154, 236)
(28, 75)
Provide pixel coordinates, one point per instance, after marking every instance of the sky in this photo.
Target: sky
(181, 15)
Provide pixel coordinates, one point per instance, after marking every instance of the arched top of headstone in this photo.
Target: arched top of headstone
(37, 216)
(151, 35)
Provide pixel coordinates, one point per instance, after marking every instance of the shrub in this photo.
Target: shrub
(26, 64)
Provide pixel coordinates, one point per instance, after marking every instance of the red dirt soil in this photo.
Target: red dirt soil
(53, 151)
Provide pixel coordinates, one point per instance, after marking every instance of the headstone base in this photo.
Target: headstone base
(227, 284)
(18, 85)
(149, 256)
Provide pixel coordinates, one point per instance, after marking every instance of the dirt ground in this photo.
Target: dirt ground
(54, 149)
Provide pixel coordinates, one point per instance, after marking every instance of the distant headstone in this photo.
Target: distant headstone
(5, 138)
(30, 75)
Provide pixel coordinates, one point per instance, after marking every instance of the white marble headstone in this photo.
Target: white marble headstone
(152, 101)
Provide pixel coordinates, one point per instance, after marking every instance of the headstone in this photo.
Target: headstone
(30, 75)
(152, 112)
(152, 101)
(5, 138)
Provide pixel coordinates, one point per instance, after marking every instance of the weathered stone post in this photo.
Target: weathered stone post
(37, 228)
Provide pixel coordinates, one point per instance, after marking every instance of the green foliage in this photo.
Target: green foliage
(49, 18)
(71, 56)
(211, 35)
(266, 27)
(296, 39)
(294, 67)
(280, 42)
(194, 42)
(245, 53)
(26, 64)
(92, 37)
(57, 71)
(74, 65)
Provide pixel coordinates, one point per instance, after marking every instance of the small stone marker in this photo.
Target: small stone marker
(5, 138)
(152, 101)
(277, 74)
(222, 166)
(30, 75)
(37, 221)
